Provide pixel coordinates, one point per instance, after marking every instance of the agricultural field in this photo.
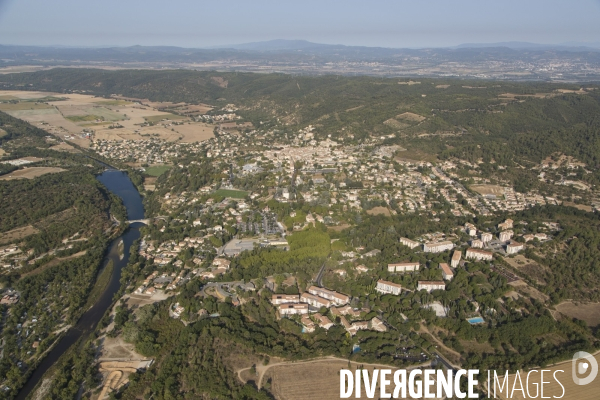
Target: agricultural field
(553, 389)
(234, 194)
(318, 379)
(110, 119)
(590, 313)
(30, 173)
(157, 170)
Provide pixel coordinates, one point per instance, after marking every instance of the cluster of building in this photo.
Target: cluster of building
(317, 298)
(164, 253)
(149, 151)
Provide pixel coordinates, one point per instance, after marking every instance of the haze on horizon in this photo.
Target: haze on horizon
(188, 23)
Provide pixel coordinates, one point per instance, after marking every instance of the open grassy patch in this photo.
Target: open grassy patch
(235, 194)
(157, 170)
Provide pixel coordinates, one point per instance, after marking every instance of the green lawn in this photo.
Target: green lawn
(157, 170)
(236, 194)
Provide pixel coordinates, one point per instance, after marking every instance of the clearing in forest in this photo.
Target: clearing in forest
(412, 117)
(30, 173)
(590, 312)
(488, 189)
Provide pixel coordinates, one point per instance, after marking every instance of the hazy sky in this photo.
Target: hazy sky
(391, 23)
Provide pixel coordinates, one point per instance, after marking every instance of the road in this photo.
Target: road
(319, 280)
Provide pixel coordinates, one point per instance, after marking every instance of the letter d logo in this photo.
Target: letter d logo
(582, 361)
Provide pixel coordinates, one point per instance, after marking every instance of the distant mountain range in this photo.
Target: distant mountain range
(294, 45)
(504, 60)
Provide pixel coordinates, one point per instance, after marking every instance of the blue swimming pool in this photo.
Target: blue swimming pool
(476, 320)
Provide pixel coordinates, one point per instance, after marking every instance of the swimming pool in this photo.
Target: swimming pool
(476, 320)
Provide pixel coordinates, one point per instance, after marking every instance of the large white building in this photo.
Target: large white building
(315, 301)
(505, 236)
(277, 299)
(403, 267)
(486, 237)
(335, 297)
(438, 247)
(387, 287)
(476, 243)
(410, 243)
(431, 285)
(293, 309)
(514, 247)
(477, 254)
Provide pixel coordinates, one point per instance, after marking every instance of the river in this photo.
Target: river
(118, 183)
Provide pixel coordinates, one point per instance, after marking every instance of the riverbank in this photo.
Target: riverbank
(102, 294)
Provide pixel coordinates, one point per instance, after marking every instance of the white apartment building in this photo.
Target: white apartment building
(447, 273)
(293, 309)
(410, 243)
(438, 247)
(403, 267)
(456, 256)
(477, 244)
(387, 287)
(477, 254)
(278, 299)
(514, 247)
(486, 237)
(505, 236)
(431, 285)
(335, 297)
(314, 301)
